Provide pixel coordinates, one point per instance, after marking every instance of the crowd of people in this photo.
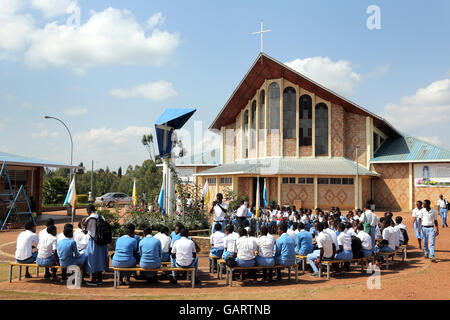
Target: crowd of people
(239, 238)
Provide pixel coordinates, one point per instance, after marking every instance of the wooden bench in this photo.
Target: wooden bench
(328, 263)
(402, 250)
(212, 262)
(20, 265)
(220, 268)
(190, 273)
(231, 270)
(303, 259)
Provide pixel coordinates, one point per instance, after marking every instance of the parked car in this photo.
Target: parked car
(112, 198)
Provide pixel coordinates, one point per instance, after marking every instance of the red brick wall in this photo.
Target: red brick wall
(337, 131)
(354, 135)
(292, 192)
(342, 196)
(391, 191)
(289, 147)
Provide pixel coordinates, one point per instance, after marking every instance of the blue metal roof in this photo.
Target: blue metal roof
(12, 159)
(409, 149)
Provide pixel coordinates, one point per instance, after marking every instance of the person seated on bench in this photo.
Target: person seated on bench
(163, 236)
(366, 241)
(150, 251)
(387, 243)
(266, 251)
(43, 232)
(344, 250)
(217, 241)
(229, 241)
(349, 229)
(404, 237)
(175, 235)
(126, 253)
(81, 237)
(184, 255)
(61, 235)
(24, 248)
(47, 255)
(303, 241)
(284, 249)
(326, 250)
(68, 253)
(245, 249)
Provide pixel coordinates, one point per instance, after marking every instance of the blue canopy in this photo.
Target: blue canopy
(174, 118)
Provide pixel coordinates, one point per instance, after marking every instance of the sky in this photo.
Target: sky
(108, 69)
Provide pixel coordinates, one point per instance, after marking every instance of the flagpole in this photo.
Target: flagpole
(75, 198)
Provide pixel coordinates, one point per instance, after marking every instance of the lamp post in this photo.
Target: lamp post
(357, 178)
(71, 142)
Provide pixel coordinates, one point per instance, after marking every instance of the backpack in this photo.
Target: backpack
(103, 233)
(356, 247)
(367, 226)
(405, 235)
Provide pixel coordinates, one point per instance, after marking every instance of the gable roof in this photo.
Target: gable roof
(12, 159)
(266, 67)
(407, 148)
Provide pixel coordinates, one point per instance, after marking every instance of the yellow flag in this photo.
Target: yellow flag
(205, 193)
(135, 199)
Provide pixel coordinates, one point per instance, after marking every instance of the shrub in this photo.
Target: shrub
(82, 198)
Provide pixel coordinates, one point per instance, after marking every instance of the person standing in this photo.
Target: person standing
(442, 207)
(427, 223)
(219, 208)
(369, 217)
(96, 254)
(415, 215)
(241, 214)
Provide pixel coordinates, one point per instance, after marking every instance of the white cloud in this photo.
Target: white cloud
(155, 20)
(45, 134)
(75, 111)
(99, 136)
(159, 90)
(53, 8)
(429, 106)
(109, 37)
(335, 75)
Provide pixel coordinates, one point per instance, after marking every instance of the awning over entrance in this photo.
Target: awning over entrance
(284, 166)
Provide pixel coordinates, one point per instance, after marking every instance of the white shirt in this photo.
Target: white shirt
(304, 219)
(81, 239)
(285, 214)
(217, 240)
(291, 233)
(366, 240)
(325, 241)
(442, 203)
(91, 224)
(333, 236)
(25, 240)
(273, 215)
(416, 213)
(165, 241)
(266, 246)
(345, 240)
(42, 233)
(350, 231)
(389, 234)
(229, 242)
(246, 247)
(428, 217)
(184, 249)
(46, 246)
(399, 235)
(370, 217)
(242, 211)
(190, 202)
(219, 215)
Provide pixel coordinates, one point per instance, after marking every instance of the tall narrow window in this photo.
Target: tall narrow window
(253, 128)
(321, 129)
(262, 110)
(245, 144)
(274, 106)
(289, 111)
(305, 136)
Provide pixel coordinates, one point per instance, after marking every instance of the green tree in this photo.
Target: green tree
(55, 190)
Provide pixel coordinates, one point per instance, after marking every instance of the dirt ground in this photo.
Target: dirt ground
(416, 278)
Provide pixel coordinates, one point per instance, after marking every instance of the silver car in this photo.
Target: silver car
(112, 198)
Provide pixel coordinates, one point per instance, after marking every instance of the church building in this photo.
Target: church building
(314, 148)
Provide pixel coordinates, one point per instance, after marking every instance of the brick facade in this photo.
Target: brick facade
(355, 135)
(391, 191)
(292, 192)
(342, 196)
(337, 131)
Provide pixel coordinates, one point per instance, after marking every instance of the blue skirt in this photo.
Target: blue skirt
(46, 262)
(96, 257)
(416, 230)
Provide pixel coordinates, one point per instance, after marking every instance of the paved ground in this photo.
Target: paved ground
(416, 278)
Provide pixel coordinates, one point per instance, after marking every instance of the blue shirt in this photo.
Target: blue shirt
(150, 249)
(285, 247)
(67, 250)
(125, 246)
(303, 242)
(138, 239)
(175, 237)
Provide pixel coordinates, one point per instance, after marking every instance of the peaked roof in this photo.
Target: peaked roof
(12, 159)
(407, 148)
(266, 67)
(297, 166)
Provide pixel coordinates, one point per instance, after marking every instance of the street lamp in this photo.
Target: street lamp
(71, 142)
(357, 177)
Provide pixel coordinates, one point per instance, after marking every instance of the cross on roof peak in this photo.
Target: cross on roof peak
(261, 32)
